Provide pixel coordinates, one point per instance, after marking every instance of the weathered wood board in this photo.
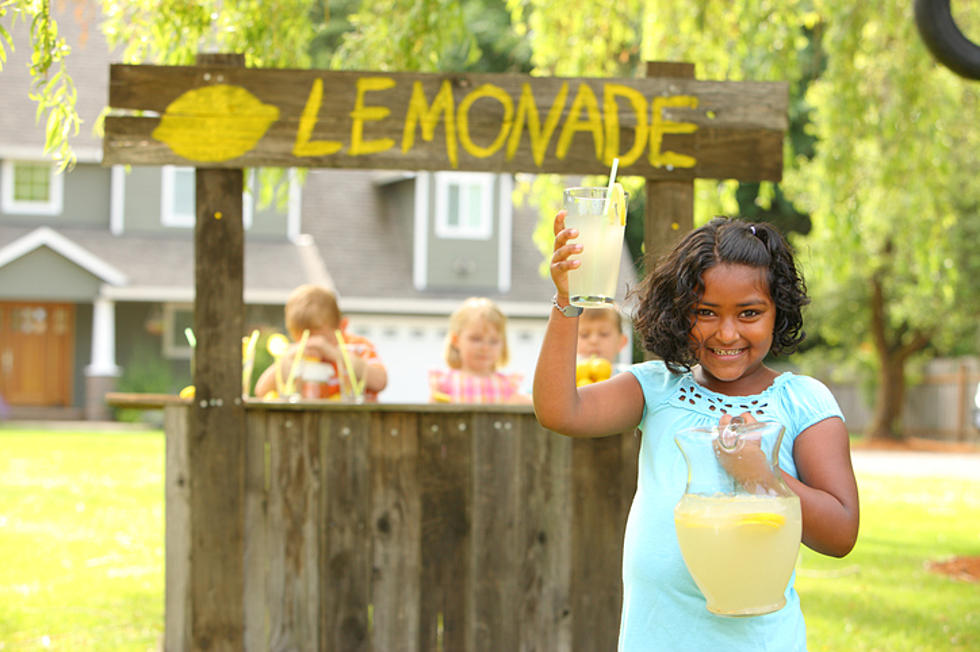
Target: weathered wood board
(659, 128)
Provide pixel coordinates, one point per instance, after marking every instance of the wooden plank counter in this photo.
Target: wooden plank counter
(411, 527)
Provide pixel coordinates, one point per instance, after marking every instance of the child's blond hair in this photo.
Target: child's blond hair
(475, 308)
(311, 307)
(609, 314)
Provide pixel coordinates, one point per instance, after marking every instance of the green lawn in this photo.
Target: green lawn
(81, 544)
(81, 540)
(882, 597)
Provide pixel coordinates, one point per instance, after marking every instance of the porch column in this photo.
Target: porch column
(101, 373)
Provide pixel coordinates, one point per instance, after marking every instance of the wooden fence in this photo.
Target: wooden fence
(939, 402)
(415, 528)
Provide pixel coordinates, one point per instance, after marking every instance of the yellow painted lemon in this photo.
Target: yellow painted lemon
(277, 344)
(616, 206)
(187, 392)
(215, 123)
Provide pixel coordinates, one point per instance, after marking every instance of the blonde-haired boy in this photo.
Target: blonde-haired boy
(600, 339)
(314, 308)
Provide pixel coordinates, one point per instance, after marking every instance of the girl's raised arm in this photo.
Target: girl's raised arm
(605, 408)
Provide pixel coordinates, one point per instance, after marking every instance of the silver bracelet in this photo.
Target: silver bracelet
(569, 310)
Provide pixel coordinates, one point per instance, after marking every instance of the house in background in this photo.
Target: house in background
(97, 264)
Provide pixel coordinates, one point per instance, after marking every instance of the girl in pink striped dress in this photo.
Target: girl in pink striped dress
(476, 347)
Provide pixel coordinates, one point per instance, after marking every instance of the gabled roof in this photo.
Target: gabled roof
(47, 237)
(137, 267)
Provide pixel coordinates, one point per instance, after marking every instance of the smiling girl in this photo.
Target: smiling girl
(727, 296)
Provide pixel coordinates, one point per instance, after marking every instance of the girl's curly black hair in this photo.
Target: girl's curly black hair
(668, 295)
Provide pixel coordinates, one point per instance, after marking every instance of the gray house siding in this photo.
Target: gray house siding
(141, 201)
(85, 193)
(143, 187)
(269, 221)
(396, 201)
(86, 197)
(467, 264)
(139, 346)
(44, 275)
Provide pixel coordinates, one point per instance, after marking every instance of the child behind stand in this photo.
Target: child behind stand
(314, 308)
(600, 340)
(476, 347)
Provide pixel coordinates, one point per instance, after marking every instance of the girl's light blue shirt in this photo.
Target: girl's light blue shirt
(663, 609)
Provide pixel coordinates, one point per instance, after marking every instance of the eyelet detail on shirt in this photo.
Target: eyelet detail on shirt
(712, 404)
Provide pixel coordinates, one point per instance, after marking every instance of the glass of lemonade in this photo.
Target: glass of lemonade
(600, 220)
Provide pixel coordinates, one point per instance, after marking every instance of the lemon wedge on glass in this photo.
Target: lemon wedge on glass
(616, 204)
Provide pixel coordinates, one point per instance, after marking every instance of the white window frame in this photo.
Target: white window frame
(483, 230)
(170, 217)
(171, 349)
(168, 187)
(505, 215)
(52, 206)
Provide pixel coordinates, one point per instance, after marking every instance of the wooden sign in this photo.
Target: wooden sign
(659, 128)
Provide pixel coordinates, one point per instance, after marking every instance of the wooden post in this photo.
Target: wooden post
(670, 204)
(216, 445)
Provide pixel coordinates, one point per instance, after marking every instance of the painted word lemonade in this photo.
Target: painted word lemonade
(738, 524)
(600, 217)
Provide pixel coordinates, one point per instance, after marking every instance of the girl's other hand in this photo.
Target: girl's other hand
(560, 264)
(745, 461)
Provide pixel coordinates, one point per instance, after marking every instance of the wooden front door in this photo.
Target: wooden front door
(36, 353)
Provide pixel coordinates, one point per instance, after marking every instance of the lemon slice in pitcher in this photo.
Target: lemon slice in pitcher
(768, 519)
(616, 204)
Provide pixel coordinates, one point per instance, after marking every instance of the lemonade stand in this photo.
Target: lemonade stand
(333, 525)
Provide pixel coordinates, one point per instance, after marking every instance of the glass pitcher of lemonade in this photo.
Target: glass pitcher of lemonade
(738, 524)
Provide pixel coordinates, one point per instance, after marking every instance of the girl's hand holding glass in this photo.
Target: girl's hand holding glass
(560, 263)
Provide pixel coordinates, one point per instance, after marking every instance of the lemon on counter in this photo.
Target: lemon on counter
(187, 392)
(593, 370)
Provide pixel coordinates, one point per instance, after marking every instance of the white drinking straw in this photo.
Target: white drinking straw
(612, 180)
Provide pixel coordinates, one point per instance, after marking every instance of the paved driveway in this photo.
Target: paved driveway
(914, 463)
